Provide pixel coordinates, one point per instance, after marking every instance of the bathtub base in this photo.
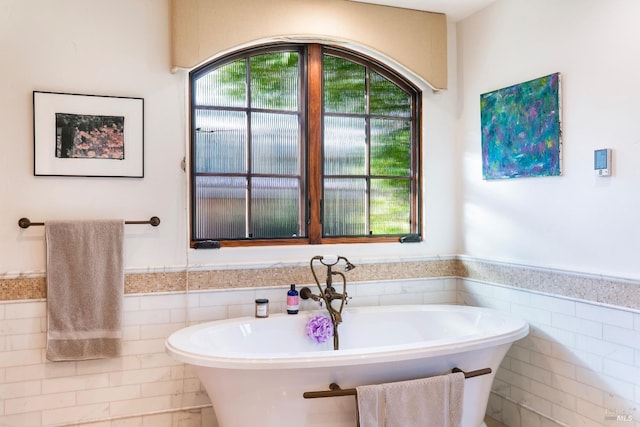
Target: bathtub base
(278, 401)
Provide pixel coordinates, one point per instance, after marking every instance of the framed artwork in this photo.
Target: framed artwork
(521, 129)
(88, 135)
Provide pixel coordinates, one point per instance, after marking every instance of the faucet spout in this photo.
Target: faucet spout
(305, 293)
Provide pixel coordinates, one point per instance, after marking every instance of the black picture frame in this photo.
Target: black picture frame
(88, 135)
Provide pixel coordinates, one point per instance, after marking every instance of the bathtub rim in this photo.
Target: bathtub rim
(374, 355)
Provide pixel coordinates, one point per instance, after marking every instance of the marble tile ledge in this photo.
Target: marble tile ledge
(603, 290)
(611, 291)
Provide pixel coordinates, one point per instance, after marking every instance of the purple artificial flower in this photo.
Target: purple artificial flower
(319, 328)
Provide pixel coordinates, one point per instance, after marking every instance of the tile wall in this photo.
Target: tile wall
(140, 388)
(580, 366)
(144, 387)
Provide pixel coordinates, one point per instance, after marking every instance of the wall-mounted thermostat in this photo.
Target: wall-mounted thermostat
(602, 162)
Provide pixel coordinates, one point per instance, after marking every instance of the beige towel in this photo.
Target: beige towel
(427, 402)
(85, 289)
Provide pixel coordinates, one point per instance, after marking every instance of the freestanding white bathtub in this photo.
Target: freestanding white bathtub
(256, 370)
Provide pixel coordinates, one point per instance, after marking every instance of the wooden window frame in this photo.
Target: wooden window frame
(312, 127)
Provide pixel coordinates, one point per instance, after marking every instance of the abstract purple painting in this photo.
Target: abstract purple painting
(521, 134)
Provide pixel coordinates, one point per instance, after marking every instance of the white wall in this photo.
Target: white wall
(104, 48)
(577, 221)
(121, 48)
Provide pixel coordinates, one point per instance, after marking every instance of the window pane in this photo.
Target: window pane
(221, 141)
(387, 99)
(390, 206)
(275, 207)
(220, 208)
(275, 146)
(390, 147)
(274, 81)
(344, 146)
(345, 207)
(224, 86)
(344, 86)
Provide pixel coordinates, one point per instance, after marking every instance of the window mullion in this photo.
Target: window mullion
(248, 168)
(303, 197)
(416, 153)
(314, 120)
(367, 157)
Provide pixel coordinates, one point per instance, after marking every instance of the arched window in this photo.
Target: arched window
(303, 144)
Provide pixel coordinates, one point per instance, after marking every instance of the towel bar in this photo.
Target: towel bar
(335, 390)
(26, 222)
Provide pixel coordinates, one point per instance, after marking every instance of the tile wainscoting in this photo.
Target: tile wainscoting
(144, 387)
(580, 366)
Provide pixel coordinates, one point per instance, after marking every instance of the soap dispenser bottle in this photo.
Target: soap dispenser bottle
(293, 300)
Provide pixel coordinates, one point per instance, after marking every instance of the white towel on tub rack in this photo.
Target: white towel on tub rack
(85, 289)
(426, 402)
